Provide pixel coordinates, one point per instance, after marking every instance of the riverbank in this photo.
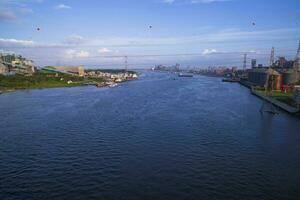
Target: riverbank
(276, 102)
(43, 80)
(282, 101)
(51, 80)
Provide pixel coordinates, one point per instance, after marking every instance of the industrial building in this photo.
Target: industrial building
(79, 71)
(16, 65)
(3, 69)
(283, 73)
(265, 77)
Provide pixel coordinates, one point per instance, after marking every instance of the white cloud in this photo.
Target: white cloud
(207, 1)
(16, 43)
(169, 1)
(104, 50)
(62, 7)
(7, 15)
(15, 9)
(25, 10)
(214, 44)
(193, 1)
(74, 40)
(209, 51)
(71, 53)
(229, 36)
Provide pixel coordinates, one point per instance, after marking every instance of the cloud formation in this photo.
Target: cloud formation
(104, 50)
(71, 53)
(15, 43)
(7, 15)
(74, 40)
(62, 7)
(209, 51)
(222, 36)
(226, 42)
(193, 1)
(11, 10)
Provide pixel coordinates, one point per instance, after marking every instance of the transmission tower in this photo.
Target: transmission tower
(298, 53)
(272, 57)
(245, 62)
(297, 59)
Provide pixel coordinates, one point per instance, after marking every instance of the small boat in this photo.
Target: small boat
(231, 80)
(185, 75)
(113, 85)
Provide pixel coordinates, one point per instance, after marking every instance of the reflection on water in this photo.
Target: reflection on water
(160, 137)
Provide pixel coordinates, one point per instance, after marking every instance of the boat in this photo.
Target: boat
(231, 80)
(185, 75)
(113, 85)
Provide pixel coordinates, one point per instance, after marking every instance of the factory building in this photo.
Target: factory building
(79, 71)
(297, 60)
(265, 76)
(283, 73)
(3, 69)
(16, 65)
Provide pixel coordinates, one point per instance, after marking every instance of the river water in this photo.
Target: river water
(160, 137)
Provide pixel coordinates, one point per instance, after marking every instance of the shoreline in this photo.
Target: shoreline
(283, 106)
(5, 91)
(277, 103)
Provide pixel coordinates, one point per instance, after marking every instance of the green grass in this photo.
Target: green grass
(41, 80)
(281, 94)
(286, 98)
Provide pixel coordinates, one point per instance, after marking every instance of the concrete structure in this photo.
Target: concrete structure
(72, 70)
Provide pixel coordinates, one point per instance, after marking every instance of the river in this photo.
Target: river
(160, 137)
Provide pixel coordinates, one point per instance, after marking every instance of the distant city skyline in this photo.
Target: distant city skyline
(190, 32)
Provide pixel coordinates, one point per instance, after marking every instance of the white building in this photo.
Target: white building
(3, 69)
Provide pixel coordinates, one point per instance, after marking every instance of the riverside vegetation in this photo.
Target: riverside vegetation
(43, 80)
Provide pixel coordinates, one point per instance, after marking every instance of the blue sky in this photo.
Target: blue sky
(215, 32)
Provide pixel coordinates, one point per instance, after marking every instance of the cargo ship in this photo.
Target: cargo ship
(185, 75)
